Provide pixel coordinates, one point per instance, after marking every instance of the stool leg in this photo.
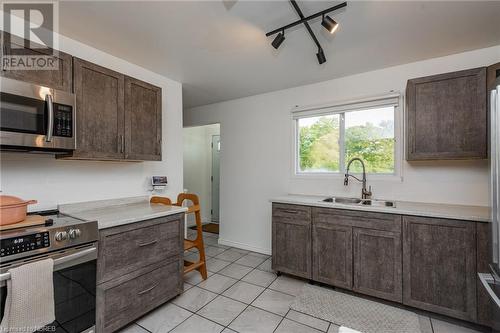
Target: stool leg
(203, 268)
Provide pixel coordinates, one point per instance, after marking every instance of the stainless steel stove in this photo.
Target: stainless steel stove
(72, 244)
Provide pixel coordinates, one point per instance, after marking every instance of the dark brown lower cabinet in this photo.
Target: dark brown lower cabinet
(122, 300)
(291, 240)
(439, 266)
(377, 263)
(139, 267)
(332, 254)
(422, 262)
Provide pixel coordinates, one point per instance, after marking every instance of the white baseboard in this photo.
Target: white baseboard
(244, 246)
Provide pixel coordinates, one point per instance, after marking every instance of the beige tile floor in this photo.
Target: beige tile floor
(242, 294)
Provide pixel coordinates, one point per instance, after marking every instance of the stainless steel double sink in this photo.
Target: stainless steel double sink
(360, 202)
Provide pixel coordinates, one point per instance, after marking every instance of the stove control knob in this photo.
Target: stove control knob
(74, 233)
(61, 235)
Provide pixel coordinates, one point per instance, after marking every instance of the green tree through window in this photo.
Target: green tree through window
(369, 135)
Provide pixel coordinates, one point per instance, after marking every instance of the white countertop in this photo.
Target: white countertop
(112, 213)
(459, 212)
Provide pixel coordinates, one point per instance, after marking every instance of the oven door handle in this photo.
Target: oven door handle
(60, 261)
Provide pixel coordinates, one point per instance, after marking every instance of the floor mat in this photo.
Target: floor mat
(209, 227)
(355, 312)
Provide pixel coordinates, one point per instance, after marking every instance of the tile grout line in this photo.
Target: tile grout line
(220, 294)
(144, 328)
(247, 305)
(282, 318)
(265, 288)
(306, 314)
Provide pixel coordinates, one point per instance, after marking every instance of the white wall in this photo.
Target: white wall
(52, 181)
(257, 154)
(198, 164)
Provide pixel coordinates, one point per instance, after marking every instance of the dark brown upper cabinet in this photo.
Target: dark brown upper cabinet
(100, 112)
(439, 266)
(118, 117)
(60, 79)
(446, 116)
(493, 74)
(142, 120)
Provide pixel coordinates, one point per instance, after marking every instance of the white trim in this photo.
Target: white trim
(348, 105)
(245, 246)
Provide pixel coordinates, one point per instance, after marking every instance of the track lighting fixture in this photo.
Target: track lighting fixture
(321, 56)
(278, 40)
(329, 24)
(326, 22)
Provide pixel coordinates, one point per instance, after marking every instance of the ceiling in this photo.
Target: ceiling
(219, 51)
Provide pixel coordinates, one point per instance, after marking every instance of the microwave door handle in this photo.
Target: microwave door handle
(50, 122)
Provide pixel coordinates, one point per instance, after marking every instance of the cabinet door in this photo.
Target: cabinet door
(123, 300)
(439, 266)
(291, 240)
(447, 116)
(59, 79)
(332, 254)
(485, 304)
(142, 120)
(377, 263)
(100, 112)
(493, 74)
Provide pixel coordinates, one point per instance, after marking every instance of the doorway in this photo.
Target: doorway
(202, 153)
(215, 177)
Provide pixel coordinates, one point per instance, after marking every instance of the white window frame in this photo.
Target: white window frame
(393, 99)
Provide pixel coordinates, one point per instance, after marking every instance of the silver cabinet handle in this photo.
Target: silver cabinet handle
(147, 290)
(148, 243)
(123, 144)
(289, 211)
(50, 121)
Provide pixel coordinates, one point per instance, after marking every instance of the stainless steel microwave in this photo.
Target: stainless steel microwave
(36, 118)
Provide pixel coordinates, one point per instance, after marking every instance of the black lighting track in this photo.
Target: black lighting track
(305, 20)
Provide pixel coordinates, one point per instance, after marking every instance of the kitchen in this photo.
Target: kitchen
(437, 194)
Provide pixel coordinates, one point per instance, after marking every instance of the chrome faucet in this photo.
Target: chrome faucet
(365, 194)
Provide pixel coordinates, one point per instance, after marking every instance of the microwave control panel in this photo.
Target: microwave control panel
(15, 245)
(63, 120)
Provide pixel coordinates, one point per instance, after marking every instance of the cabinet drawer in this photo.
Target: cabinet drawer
(360, 219)
(293, 212)
(123, 300)
(125, 250)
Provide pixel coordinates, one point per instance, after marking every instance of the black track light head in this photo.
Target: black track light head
(321, 56)
(278, 40)
(329, 24)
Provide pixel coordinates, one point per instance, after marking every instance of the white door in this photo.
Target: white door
(215, 177)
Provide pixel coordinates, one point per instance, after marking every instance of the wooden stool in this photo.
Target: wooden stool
(189, 266)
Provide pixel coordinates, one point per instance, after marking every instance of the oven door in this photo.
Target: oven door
(36, 117)
(74, 289)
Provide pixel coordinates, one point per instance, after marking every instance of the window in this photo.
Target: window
(328, 138)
